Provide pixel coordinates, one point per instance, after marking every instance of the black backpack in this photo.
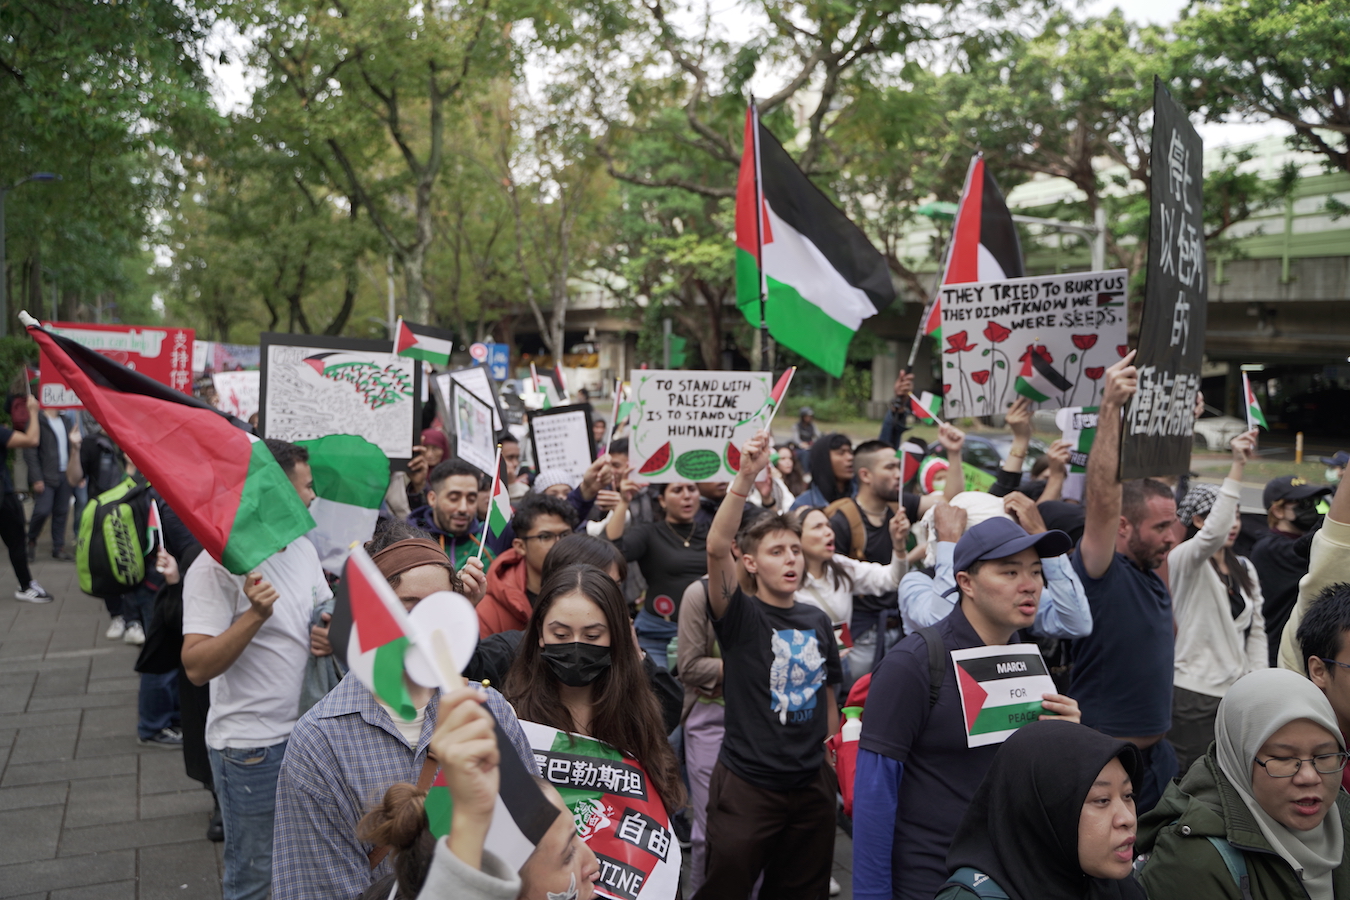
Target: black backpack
(111, 546)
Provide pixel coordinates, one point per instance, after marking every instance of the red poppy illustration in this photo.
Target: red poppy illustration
(1095, 372)
(1084, 341)
(996, 333)
(1122, 349)
(1039, 350)
(946, 388)
(980, 377)
(960, 342)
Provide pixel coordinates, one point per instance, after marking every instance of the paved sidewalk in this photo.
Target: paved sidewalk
(85, 811)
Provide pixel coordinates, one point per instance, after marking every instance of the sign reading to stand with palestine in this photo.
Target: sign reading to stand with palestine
(1001, 690)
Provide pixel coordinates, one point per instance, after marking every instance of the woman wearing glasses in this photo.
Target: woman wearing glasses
(1260, 816)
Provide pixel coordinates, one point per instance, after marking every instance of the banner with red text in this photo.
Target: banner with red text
(164, 354)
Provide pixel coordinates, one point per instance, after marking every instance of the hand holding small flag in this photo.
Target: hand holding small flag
(1255, 417)
(260, 593)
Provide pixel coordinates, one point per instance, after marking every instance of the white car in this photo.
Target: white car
(1217, 431)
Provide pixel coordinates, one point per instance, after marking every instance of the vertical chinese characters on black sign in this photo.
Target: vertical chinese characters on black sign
(1161, 416)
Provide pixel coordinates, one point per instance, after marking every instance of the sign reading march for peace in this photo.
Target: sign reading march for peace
(1158, 424)
(617, 810)
(689, 426)
(1001, 690)
(1050, 338)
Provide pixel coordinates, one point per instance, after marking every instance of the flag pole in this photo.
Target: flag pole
(1247, 397)
(759, 242)
(940, 277)
(496, 480)
(398, 326)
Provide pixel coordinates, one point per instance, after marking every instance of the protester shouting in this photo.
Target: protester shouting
(771, 798)
(1261, 815)
(915, 773)
(1221, 633)
(1053, 820)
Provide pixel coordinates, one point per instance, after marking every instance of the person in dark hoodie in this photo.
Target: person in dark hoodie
(1281, 554)
(830, 462)
(1053, 820)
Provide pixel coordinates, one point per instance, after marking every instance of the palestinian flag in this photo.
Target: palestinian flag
(499, 509)
(911, 456)
(818, 274)
(780, 388)
(1001, 688)
(1039, 379)
(351, 476)
(431, 345)
(545, 386)
(560, 379)
(380, 635)
(984, 242)
(925, 406)
(1254, 415)
(220, 480)
(154, 528)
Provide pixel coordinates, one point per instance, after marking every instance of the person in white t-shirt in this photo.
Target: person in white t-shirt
(249, 636)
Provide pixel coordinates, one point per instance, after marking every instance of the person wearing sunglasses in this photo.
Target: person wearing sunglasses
(513, 581)
(1261, 815)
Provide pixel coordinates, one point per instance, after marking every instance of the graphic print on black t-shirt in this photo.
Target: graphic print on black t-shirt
(797, 672)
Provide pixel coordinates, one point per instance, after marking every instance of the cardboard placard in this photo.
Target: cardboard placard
(561, 440)
(237, 392)
(313, 386)
(1157, 430)
(164, 354)
(475, 439)
(1001, 690)
(476, 379)
(1077, 321)
(689, 426)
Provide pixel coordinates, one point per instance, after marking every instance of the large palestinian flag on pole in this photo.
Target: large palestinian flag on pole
(984, 243)
(221, 481)
(818, 274)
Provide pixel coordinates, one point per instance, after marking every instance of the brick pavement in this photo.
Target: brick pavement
(85, 811)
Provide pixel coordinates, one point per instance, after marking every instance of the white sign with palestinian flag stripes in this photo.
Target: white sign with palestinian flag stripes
(617, 810)
(1001, 690)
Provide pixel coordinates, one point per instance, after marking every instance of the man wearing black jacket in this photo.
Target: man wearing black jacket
(1281, 554)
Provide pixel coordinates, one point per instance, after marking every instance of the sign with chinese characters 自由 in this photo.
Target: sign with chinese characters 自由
(617, 811)
(1158, 425)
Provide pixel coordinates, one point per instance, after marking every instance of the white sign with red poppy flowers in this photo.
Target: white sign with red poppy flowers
(1075, 323)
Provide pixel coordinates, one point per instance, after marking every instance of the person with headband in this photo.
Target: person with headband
(1053, 820)
(1261, 816)
(350, 747)
(1216, 598)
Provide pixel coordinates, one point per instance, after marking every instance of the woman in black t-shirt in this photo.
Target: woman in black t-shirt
(579, 671)
(672, 553)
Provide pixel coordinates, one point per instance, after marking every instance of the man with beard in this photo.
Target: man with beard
(1122, 671)
(872, 507)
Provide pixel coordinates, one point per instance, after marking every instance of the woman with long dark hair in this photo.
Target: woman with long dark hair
(1216, 598)
(580, 671)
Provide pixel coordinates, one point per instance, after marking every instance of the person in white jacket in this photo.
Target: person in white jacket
(832, 579)
(1216, 601)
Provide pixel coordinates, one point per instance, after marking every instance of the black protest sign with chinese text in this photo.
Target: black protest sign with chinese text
(1157, 432)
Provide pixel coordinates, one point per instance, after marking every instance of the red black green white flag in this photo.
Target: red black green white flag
(221, 480)
(1039, 380)
(984, 242)
(381, 634)
(431, 345)
(1001, 690)
(819, 275)
(1254, 415)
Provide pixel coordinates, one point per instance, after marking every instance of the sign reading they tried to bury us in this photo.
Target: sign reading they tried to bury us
(690, 426)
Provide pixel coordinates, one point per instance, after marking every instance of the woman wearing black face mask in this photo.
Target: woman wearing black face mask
(1281, 553)
(579, 670)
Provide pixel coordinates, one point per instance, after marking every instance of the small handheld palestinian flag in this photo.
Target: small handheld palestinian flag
(154, 529)
(431, 345)
(925, 407)
(221, 480)
(779, 392)
(1254, 415)
(499, 508)
(1039, 379)
(560, 379)
(546, 387)
(381, 633)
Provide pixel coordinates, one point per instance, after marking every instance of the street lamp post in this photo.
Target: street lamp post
(4, 272)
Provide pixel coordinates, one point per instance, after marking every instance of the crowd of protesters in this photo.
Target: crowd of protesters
(1194, 745)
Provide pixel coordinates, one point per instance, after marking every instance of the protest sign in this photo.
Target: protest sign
(690, 426)
(210, 356)
(617, 810)
(562, 441)
(475, 439)
(313, 386)
(164, 354)
(1076, 322)
(475, 378)
(1001, 690)
(1078, 426)
(237, 392)
(1158, 424)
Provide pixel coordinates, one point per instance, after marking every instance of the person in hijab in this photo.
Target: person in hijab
(1053, 819)
(1261, 815)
